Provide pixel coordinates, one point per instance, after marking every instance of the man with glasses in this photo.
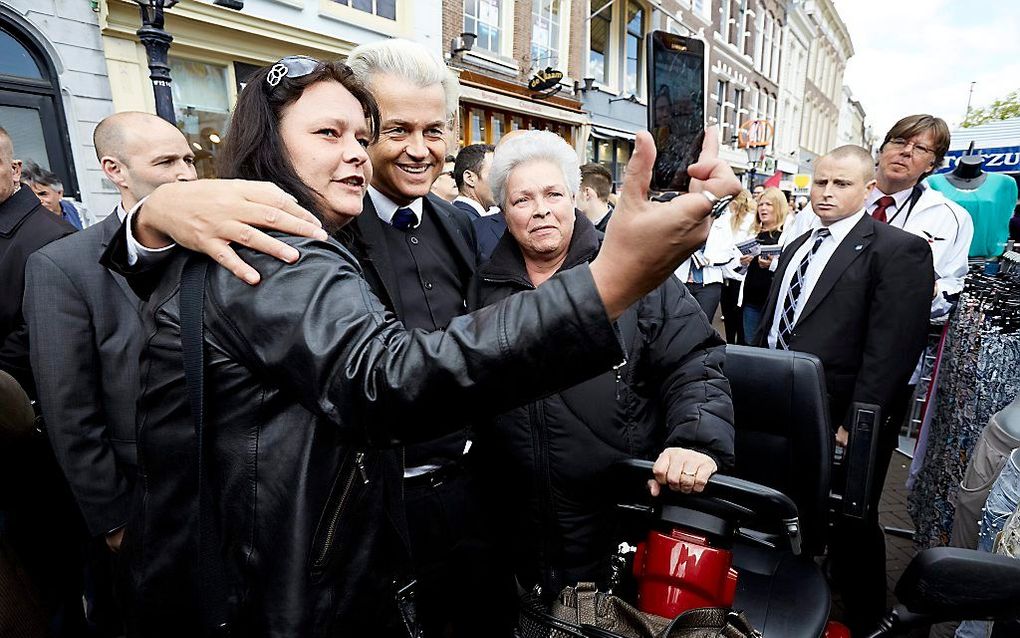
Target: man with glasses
(911, 151)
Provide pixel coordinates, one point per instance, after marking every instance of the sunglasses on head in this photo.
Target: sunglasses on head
(292, 66)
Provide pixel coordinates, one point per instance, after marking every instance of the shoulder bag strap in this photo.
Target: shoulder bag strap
(212, 588)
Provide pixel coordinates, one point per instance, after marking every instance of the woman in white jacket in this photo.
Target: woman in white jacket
(739, 219)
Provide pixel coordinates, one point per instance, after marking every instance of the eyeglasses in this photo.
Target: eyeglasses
(292, 66)
(898, 144)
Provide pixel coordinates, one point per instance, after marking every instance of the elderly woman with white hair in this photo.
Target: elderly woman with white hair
(667, 401)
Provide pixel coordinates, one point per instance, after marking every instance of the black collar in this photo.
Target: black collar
(15, 209)
(507, 262)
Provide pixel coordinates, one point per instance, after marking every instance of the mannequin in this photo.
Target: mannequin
(968, 174)
(988, 197)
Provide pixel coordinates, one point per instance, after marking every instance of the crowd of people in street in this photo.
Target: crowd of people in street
(406, 371)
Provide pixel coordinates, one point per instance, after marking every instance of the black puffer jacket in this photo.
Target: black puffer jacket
(308, 377)
(551, 457)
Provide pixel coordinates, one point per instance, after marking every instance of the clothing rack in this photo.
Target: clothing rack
(980, 374)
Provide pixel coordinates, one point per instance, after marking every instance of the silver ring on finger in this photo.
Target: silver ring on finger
(689, 473)
(710, 196)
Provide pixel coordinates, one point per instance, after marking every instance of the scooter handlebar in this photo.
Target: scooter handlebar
(745, 501)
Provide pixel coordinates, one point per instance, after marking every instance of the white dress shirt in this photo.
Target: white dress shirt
(837, 232)
(386, 208)
(136, 252)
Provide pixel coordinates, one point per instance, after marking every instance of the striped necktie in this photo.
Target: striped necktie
(786, 321)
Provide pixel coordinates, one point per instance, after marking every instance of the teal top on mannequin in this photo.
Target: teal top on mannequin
(988, 197)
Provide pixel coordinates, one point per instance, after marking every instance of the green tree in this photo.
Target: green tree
(1001, 109)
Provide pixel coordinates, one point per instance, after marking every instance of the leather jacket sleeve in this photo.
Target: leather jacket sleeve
(315, 328)
(687, 356)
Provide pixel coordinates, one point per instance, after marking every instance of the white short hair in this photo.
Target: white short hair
(530, 146)
(409, 61)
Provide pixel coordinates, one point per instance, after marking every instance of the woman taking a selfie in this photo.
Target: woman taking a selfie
(284, 517)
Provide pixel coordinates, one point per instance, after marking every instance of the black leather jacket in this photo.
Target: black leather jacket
(551, 457)
(310, 381)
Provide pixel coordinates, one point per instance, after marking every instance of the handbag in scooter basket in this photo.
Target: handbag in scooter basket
(585, 605)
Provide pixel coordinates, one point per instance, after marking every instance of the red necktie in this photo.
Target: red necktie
(884, 203)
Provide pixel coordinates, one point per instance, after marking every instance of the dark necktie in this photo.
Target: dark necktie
(403, 219)
(786, 322)
(884, 203)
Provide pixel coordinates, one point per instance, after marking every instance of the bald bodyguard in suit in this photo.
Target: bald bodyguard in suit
(856, 293)
(85, 330)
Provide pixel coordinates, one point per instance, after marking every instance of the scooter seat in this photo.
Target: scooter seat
(783, 595)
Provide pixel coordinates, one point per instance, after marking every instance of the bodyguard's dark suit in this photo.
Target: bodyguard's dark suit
(25, 226)
(867, 315)
(467, 208)
(86, 338)
(490, 230)
(867, 320)
(40, 520)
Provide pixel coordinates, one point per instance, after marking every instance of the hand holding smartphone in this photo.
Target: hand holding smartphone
(676, 112)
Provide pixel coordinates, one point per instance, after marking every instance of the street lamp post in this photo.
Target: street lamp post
(754, 155)
(157, 44)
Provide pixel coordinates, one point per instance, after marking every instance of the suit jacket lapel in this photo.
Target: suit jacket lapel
(853, 246)
(374, 255)
(777, 282)
(108, 228)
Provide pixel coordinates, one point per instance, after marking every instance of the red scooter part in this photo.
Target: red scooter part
(680, 571)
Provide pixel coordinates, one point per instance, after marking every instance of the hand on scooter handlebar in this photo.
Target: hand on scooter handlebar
(743, 503)
(683, 470)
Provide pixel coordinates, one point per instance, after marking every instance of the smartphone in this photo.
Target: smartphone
(676, 109)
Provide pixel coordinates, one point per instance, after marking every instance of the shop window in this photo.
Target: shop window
(476, 128)
(498, 127)
(483, 18)
(382, 8)
(601, 30)
(545, 33)
(488, 125)
(613, 153)
(201, 108)
(634, 46)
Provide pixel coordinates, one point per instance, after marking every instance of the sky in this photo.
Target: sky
(920, 56)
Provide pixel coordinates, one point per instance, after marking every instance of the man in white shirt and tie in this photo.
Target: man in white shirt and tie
(856, 293)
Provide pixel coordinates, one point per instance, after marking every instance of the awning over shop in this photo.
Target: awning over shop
(998, 142)
(604, 133)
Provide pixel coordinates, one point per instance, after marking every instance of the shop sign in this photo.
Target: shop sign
(801, 184)
(755, 133)
(997, 160)
(546, 83)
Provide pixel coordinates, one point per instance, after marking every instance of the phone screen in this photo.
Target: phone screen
(676, 114)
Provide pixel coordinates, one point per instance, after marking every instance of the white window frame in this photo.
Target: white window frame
(506, 28)
(559, 39)
(615, 60)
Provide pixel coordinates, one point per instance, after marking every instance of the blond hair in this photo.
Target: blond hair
(780, 207)
(741, 206)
